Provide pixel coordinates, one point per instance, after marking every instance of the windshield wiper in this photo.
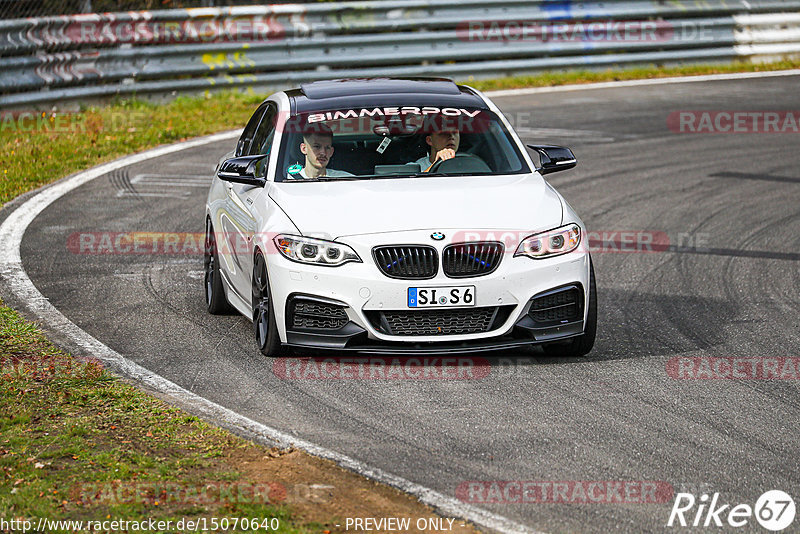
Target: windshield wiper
(410, 175)
(323, 179)
(367, 177)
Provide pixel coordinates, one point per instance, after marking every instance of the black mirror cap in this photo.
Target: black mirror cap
(554, 158)
(242, 170)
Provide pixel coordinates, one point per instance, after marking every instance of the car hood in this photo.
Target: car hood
(343, 208)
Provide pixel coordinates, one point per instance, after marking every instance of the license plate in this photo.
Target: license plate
(441, 297)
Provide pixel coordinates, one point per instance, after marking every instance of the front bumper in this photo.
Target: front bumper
(365, 292)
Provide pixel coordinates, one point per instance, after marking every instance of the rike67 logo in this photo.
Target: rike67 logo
(774, 510)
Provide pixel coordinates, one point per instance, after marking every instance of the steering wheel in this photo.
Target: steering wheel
(462, 162)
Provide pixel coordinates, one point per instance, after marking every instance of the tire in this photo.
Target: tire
(264, 325)
(580, 345)
(216, 302)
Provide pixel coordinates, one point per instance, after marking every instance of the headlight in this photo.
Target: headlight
(314, 251)
(550, 243)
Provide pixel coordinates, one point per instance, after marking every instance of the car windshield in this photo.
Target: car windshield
(396, 142)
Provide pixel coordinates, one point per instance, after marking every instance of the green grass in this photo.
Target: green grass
(37, 150)
(76, 443)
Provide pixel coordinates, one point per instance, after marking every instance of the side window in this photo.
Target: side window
(265, 132)
(243, 146)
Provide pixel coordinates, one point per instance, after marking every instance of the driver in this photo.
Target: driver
(317, 146)
(443, 143)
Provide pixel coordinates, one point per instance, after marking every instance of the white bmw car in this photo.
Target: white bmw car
(396, 216)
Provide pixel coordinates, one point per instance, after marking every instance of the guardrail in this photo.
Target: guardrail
(95, 55)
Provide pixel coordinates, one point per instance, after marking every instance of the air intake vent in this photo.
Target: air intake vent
(435, 322)
(563, 305)
(306, 314)
(465, 260)
(411, 262)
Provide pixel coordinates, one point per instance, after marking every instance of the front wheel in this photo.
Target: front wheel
(264, 324)
(580, 345)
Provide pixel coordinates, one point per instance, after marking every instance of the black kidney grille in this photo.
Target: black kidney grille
(437, 322)
(313, 315)
(464, 260)
(413, 262)
(559, 306)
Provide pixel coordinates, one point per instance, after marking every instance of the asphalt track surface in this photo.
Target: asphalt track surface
(726, 287)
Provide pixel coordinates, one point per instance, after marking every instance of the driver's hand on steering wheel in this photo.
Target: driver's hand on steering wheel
(445, 153)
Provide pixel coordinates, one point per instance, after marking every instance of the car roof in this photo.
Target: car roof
(367, 92)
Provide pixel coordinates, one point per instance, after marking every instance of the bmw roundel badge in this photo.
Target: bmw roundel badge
(437, 236)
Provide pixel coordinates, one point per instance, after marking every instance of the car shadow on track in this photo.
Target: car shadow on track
(641, 325)
(630, 325)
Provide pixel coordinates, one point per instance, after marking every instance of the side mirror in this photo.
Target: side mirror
(554, 158)
(242, 170)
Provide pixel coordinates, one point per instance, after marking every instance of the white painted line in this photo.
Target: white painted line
(173, 180)
(634, 83)
(135, 194)
(15, 277)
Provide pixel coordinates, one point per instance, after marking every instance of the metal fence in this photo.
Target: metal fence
(17, 9)
(95, 55)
